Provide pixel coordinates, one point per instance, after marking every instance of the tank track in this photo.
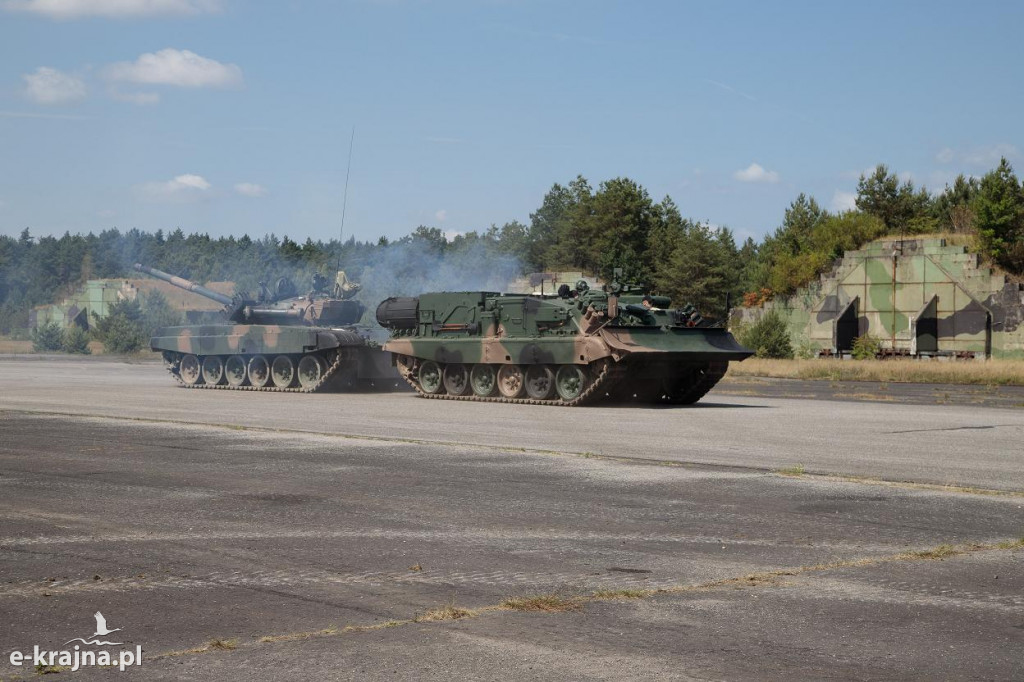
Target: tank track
(608, 375)
(612, 376)
(328, 373)
(713, 374)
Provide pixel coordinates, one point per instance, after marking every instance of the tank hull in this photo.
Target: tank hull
(671, 346)
(510, 348)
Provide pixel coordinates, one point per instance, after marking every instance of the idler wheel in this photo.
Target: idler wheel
(234, 370)
(570, 382)
(483, 380)
(511, 381)
(456, 379)
(259, 371)
(191, 371)
(213, 370)
(282, 371)
(430, 378)
(540, 382)
(311, 371)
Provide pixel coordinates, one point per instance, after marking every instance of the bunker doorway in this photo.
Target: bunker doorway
(926, 328)
(847, 327)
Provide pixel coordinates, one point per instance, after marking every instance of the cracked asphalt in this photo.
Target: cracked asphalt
(310, 535)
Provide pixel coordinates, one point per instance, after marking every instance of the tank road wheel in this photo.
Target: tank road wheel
(570, 382)
(191, 371)
(282, 371)
(540, 382)
(259, 371)
(456, 379)
(482, 380)
(511, 381)
(430, 378)
(311, 371)
(234, 370)
(213, 370)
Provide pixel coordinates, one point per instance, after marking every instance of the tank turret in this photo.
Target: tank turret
(316, 308)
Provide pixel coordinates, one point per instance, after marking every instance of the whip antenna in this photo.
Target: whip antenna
(344, 200)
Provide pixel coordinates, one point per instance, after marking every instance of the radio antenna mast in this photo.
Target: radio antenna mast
(344, 201)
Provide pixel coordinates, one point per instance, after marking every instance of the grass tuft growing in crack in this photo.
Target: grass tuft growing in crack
(447, 612)
(547, 603)
(621, 594)
(940, 552)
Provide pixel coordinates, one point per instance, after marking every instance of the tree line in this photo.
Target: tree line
(577, 227)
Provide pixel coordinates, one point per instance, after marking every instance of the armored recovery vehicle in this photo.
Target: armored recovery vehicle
(576, 348)
(279, 341)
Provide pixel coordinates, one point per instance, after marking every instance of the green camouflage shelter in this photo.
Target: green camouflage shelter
(916, 296)
(94, 298)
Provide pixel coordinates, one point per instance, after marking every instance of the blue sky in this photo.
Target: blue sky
(231, 117)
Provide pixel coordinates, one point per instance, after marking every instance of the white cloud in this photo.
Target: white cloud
(176, 67)
(74, 9)
(106, 213)
(187, 187)
(844, 201)
(984, 156)
(756, 173)
(450, 235)
(50, 86)
(856, 175)
(441, 215)
(989, 156)
(250, 189)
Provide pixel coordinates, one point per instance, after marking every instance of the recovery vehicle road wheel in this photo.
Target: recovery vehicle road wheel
(430, 378)
(540, 382)
(456, 379)
(483, 380)
(570, 382)
(511, 381)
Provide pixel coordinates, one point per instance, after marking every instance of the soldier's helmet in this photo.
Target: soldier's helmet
(582, 286)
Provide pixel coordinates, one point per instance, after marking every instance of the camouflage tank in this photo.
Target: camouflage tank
(579, 347)
(280, 341)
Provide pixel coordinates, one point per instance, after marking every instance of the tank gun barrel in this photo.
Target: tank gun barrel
(185, 284)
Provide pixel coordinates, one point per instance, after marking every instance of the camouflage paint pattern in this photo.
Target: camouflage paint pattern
(94, 298)
(919, 296)
(642, 347)
(316, 335)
